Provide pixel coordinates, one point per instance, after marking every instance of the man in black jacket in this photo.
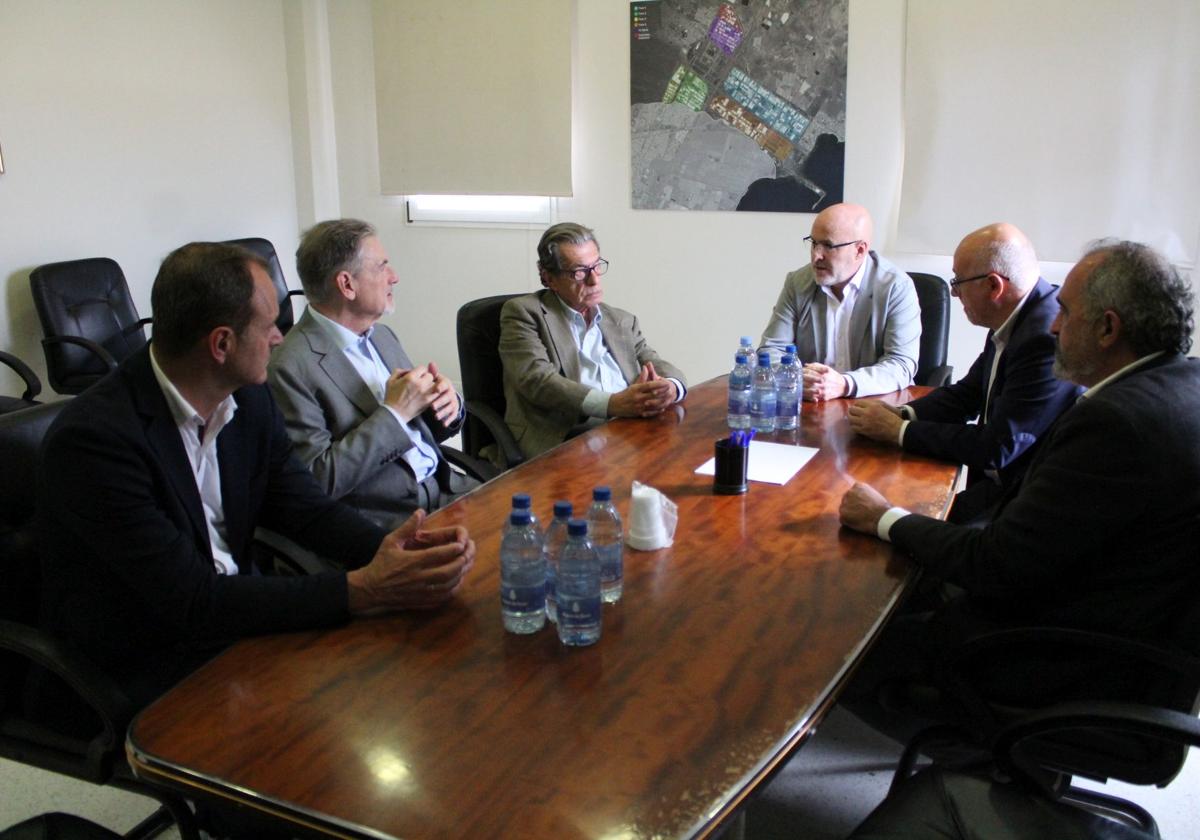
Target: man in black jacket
(1010, 388)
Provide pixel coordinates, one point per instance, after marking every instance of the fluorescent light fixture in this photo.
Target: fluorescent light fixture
(479, 209)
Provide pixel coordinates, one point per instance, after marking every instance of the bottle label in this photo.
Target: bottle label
(611, 567)
(579, 613)
(523, 599)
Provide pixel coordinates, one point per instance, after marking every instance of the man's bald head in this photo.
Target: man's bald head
(1001, 248)
(844, 222)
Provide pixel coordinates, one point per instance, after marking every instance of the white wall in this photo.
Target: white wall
(131, 127)
(696, 280)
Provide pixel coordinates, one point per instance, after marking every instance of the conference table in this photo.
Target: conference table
(726, 650)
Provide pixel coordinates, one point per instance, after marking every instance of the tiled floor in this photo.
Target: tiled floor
(831, 784)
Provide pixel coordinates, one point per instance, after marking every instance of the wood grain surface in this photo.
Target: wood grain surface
(724, 652)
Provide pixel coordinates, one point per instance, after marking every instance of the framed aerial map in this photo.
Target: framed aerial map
(738, 105)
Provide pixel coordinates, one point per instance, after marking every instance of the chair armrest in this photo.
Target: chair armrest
(938, 376)
(85, 343)
(1123, 718)
(509, 451)
(276, 554)
(480, 470)
(33, 385)
(89, 683)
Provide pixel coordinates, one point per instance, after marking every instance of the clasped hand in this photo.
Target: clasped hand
(410, 392)
(821, 382)
(414, 568)
(649, 395)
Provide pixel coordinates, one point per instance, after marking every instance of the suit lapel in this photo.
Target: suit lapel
(332, 361)
(559, 332)
(621, 349)
(163, 437)
(860, 320)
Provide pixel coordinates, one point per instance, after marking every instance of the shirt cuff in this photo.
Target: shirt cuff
(900, 437)
(890, 517)
(681, 388)
(909, 412)
(851, 385)
(595, 404)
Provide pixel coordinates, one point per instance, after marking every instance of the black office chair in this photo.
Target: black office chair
(88, 319)
(86, 741)
(933, 295)
(478, 328)
(1135, 729)
(33, 385)
(264, 248)
(57, 826)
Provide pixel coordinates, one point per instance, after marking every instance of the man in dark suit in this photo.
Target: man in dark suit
(362, 417)
(1102, 531)
(154, 480)
(1010, 388)
(571, 361)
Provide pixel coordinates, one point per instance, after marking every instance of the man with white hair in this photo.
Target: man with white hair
(1010, 388)
(852, 315)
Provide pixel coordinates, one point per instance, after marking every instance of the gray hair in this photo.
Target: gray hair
(326, 249)
(564, 233)
(1140, 285)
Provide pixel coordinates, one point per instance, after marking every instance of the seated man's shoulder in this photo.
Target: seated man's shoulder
(887, 273)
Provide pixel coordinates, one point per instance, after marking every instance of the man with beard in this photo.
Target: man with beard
(852, 315)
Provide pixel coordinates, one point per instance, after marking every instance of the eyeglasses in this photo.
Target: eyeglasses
(580, 274)
(956, 282)
(819, 245)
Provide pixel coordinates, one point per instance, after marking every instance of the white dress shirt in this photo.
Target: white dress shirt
(200, 443)
(598, 370)
(837, 325)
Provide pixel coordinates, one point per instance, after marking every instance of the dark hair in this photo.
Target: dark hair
(564, 233)
(199, 287)
(1140, 285)
(327, 248)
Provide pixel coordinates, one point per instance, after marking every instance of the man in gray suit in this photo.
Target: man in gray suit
(852, 315)
(570, 361)
(362, 417)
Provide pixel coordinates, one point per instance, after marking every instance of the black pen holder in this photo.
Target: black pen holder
(729, 469)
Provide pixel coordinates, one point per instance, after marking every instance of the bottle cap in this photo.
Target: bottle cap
(521, 500)
(602, 494)
(577, 528)
(764, 358)
(741, 359)
(791, 348)
(520, 517)
(747, 341)
(788, 359)
(562, 509)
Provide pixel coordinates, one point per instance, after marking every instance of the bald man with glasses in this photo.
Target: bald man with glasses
(852, 315)
(1010, 390)
(570, 360)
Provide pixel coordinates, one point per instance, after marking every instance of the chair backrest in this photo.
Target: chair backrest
(478, 326)
(89, 299)
(933, 296)
(21, 434)
(264, 248)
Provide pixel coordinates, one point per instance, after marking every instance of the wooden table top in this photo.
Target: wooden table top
(726, 649)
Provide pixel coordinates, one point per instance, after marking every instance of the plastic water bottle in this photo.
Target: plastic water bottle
(521, 502)
(604, 525)
(746, 346)
(739, 393)
(556, 538)
(522, 576)
(578, 588)
(787, 400)
(762, 395)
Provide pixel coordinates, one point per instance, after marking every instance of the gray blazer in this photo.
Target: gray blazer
(885, 328)
(341, 432)
(541, 366)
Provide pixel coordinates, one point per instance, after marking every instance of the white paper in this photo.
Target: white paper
(771, 463)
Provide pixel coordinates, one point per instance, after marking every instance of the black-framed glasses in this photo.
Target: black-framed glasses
(581, 273)
(826, 246)
(955, 282)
